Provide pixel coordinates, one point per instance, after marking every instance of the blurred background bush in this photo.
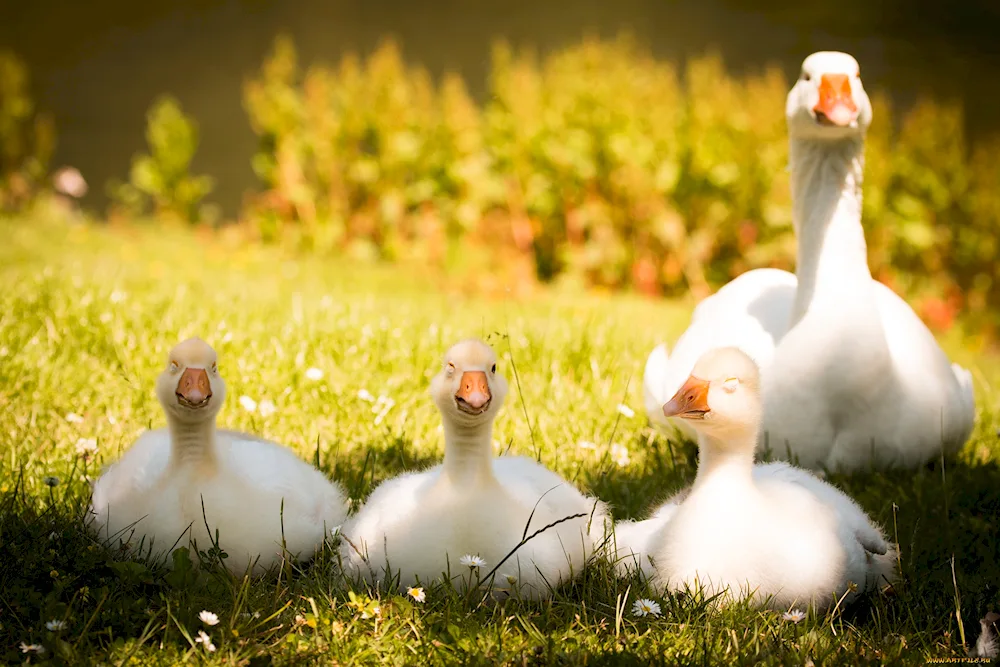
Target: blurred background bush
(595, 165)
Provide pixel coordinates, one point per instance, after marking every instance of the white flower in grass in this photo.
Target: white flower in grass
(469, 560)
(314, 374)
(416, 593)
(365, 395)
(74, 418)
(511, 579)
(645, 607)
(795, 615)
(626, 411)
(266, 408)
(205, 640)
(86, 447)
(118, 296)
(248, 403)
(586, 444)
(32, 648)
(208, 618)
(55, 625)
(619, 454)
(51, 481)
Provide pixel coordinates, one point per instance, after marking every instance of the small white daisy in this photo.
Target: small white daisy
(794, 615)
(645, 607)
(74, 418)
(365, 395)
(51, 481)
(248, 403)
(417, 594)
(85, 447)
(208, 618)
(205, 640)
(32, 648)
(619, 454)
(314, 374)
(586, 444)
(469, 560)
(266, 408)
(55, 625)
(626, 411)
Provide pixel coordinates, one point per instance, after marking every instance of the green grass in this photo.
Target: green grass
(87, 316)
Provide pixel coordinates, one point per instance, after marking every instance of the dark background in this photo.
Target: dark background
(98, 65)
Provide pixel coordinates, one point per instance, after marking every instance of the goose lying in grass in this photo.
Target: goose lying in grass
(255, 494)
(421, 526)
(771, 530)
(852, 377)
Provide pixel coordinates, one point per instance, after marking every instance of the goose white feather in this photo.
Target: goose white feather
(773, 531)
(184, 483)
(419, 525)
(852, 377)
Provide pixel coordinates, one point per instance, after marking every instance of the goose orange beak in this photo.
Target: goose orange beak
(473, 395)
(690, 401)
(193, 389)
(836, 103)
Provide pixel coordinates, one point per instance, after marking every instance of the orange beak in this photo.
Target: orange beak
(473, 394)
(194, 389)
(690, 401)
(836, 104)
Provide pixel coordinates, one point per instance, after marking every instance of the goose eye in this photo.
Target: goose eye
(494, 369)
(805, 76)
(731, 384)
(174, 367)
(215, 367)
(451, 368)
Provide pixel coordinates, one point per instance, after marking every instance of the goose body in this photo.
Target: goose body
(179, 485)
(772, 531)
(418, 526)
(852, 377)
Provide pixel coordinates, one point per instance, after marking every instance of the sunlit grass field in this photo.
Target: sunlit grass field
(333, 360)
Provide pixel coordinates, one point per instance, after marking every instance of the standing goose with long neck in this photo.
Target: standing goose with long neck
(771, 531)
(420, 526)
(851, 377)
(194, 484)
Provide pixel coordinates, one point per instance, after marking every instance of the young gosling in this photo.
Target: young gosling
(772, 531)
(420, 526)
(265, 503)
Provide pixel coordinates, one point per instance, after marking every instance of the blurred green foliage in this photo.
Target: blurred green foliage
(163, 177)
(27, 137)
(604, 165)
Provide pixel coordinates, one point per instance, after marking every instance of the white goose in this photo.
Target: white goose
(852, 377)
(256, 494)
(772, 530)
(419, 526)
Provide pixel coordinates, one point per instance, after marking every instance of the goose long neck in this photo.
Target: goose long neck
(192, 445)
(726, 463)
(826, 210)
(468, 459)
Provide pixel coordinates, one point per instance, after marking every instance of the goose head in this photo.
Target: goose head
(190, 387)
(828, 101)
(721, 398)
(469, 391)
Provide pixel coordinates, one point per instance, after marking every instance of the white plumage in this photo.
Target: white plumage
(852, 377)
(256, 494)
(772, 530)
(418, 526)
